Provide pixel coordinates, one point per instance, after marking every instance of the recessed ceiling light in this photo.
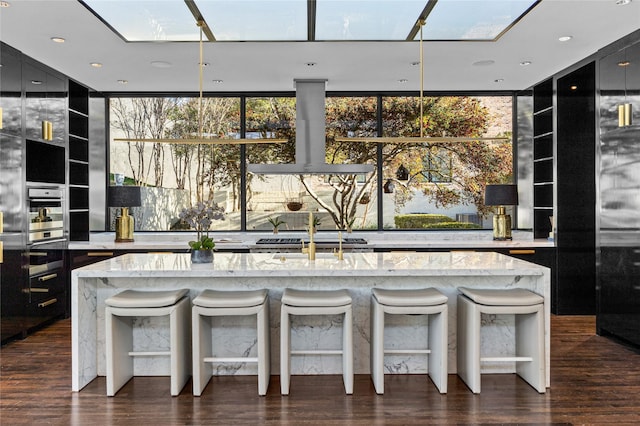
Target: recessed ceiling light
(218, 81)
(565, 38)
(96, 64)
(484, 63)
(123, 81)
(624, 63)
(311, 64)
(161, 64)
(36, 82)
(573, 87)
(525, 63)
(57, 39)
(4, 4)
(622, 2)
(498, 80)
(403, 81)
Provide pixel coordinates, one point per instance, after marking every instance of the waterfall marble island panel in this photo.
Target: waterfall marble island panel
(358, 272)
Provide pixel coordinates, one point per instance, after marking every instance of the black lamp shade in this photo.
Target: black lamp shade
(501, 195)
(124, 196)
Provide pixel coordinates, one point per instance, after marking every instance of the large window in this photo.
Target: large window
(176, 175)
(441, 184)
(424, 185)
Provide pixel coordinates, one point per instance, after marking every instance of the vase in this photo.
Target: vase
(202, 256)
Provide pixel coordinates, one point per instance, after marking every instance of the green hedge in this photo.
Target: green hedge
(430, 221)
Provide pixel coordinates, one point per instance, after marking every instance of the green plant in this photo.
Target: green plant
(276, 222)
(204, 243)
(200, 217)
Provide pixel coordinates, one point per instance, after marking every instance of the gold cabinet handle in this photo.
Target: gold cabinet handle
(47, 303)
(47, 277)
(515, 251)
(47, 130)
(39, 290)
(99, 253)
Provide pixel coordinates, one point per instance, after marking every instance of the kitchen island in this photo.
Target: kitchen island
(358, 273)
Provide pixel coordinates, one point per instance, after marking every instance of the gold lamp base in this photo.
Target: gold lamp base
(502, 225)
(124, 227)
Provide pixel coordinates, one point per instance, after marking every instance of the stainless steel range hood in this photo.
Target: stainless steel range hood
(310, 137)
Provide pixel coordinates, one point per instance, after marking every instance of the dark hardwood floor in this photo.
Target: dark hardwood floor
(593, 381)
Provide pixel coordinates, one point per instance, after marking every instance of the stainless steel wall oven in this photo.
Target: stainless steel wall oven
(46, 215)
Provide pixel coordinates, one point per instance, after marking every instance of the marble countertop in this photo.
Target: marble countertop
(326, 264)
(376, 240)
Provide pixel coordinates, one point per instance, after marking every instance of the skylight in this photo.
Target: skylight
(472, 19)
(302, 20)
(366, 19)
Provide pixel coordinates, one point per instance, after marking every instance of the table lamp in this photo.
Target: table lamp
(124, 197)
(501, 196)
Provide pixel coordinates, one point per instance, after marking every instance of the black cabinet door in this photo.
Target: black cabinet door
(13, 296)
(35, 91)
(619, 293)
(10, 93)
(45, 102)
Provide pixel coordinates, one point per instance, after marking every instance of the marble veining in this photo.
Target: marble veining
(359, 272)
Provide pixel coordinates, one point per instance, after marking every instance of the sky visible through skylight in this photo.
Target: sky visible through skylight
(286, 20)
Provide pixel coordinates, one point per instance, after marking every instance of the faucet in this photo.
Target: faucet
(311, 247)
(340, 253)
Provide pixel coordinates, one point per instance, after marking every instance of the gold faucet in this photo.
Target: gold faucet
(311, 247)
(340, 253)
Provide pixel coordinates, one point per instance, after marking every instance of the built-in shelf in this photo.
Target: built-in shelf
(543, 158)
(78, 162)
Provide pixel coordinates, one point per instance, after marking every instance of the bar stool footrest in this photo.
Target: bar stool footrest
(231, 359)
(317, 352)
(407, 351)
(506, 359)
(150, 353)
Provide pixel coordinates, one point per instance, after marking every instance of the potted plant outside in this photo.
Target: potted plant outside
(200, 217)
(275, 223)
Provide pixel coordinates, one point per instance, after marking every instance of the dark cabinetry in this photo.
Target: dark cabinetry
(45, 104)
(34, 290)
(13, 297)
(618, 267)
(10, 92)
(619, 294)
(47, 287)
(576, 191)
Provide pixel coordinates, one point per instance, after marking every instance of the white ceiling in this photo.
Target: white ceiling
(28, 26)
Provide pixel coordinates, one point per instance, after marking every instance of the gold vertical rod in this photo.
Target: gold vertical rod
(0, 118)
(201, 66)
(421, 22)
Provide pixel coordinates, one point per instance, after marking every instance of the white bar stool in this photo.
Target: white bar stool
(528, 308)
(311, 302)
(427, 301)
(213, 303)
(119, 334)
